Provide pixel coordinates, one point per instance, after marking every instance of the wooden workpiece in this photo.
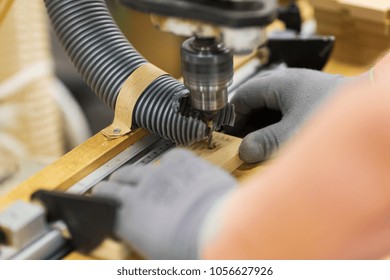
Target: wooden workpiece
(96, 151)
(373, 10)
(362, 28)
(72, 167)
(225, 153)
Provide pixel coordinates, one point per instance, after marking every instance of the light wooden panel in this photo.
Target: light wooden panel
(362, 28)
(225, 153)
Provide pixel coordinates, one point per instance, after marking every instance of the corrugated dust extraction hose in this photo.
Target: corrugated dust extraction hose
(105, 59)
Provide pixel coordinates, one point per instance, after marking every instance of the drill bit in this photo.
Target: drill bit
(210, 143)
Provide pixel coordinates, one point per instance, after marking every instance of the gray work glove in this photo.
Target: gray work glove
(293, 92)
(165, 207)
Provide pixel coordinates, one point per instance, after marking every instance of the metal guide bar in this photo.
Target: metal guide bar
(153, 153)
(148, 149)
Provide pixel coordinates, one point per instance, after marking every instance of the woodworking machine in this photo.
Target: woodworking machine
(218, 29)
(55, 223)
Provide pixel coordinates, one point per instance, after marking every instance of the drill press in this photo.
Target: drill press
(218, 29)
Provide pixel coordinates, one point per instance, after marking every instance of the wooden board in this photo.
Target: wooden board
(373, 10)
(225, 153)
(362, 28)
(96, 151)
(328, 5)
(72, 167)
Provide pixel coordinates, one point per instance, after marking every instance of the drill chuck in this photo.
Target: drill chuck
(207, 69)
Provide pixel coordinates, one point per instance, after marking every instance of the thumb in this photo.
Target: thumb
(261, 144)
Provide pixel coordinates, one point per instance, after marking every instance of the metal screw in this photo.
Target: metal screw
(116, 130)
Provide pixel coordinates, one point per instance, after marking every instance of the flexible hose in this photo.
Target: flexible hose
(105, 59)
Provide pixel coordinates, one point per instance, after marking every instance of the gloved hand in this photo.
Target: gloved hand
(293, 92)
(167, 209)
